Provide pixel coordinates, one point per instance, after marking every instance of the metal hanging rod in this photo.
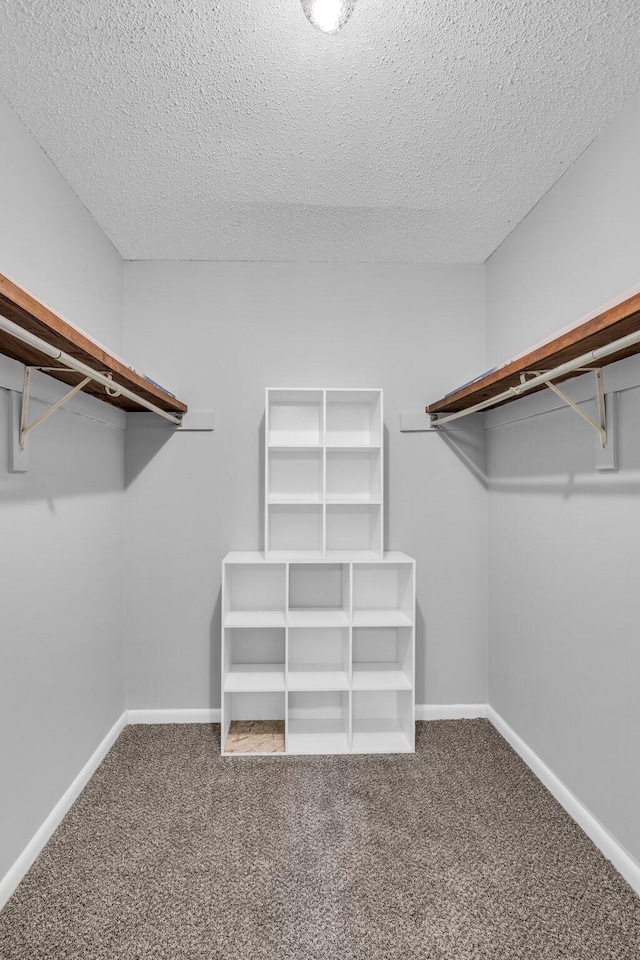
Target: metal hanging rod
(87, 372)
(543, 379)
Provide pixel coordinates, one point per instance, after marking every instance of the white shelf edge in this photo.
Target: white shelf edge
(380, 618)
(379, 676)
(269, 678)
(294, 447)
(239, 619)
(283, 501)
(317, 678)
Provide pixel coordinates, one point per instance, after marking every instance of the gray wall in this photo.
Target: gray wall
(217, 334)
(61, 658)
(564, 544)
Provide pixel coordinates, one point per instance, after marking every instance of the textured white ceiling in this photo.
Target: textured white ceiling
(233, 130)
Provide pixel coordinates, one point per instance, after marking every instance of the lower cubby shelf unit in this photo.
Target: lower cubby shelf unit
(317, 657)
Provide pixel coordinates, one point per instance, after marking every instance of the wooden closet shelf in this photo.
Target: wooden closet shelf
(33, 316)
(600, 331)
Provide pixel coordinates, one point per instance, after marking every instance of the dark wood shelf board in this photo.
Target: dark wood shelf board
(25, 310)
(611, 325)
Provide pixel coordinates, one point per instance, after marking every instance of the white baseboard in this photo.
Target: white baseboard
(10, 881)
(450, 711)
(203, 715)
(622, 860)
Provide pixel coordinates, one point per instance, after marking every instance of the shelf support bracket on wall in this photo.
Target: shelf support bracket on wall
(25, 427)
(599, 425)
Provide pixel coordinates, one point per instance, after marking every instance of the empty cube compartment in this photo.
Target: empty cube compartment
(383, 721)
(253, 723)
(354, 475)
(382, 658)
(294, 417)
(295, 528)
(318, 658)
(318, 722)
(255, 594)
(355, 528)
(354, 418)
(318, 595)
(383, 594)
(254, 659)
(294, 475)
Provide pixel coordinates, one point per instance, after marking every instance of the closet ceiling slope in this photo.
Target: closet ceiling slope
(31, 315)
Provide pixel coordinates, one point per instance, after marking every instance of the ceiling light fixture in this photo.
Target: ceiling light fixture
(328, 15)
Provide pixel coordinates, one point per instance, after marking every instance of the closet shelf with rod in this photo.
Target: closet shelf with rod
(31, 333)
(585, 346)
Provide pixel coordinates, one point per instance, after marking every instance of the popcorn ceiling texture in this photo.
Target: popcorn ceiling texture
(232, 129)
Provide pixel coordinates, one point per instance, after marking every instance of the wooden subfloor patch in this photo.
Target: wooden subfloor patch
(255, 736)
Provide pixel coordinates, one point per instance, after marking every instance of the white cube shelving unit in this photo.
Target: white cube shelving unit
(325, 646)
(324, 485)
(318, 633)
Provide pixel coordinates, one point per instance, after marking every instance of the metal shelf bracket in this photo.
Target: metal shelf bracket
(599, 425)
(25, 427)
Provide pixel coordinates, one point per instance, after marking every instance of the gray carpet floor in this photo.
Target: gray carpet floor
(455, 853)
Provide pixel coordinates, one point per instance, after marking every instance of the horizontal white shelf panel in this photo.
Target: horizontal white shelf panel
(317, 676)
(317, 736)
(255, 618)
(379, 676)
(318, 618)
(283, 498)
(280, 556)
(379, 736)
(355, 499)
(342, 556)
(380, 618)
(349, 445)
(350, 556)
(254, 676)
(288, 447)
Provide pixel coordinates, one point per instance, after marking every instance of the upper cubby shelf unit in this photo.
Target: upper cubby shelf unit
(611, 334)
(33, 334)
(323, 472)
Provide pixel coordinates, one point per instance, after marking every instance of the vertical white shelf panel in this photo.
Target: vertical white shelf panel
(323, 473)
(337, 669)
